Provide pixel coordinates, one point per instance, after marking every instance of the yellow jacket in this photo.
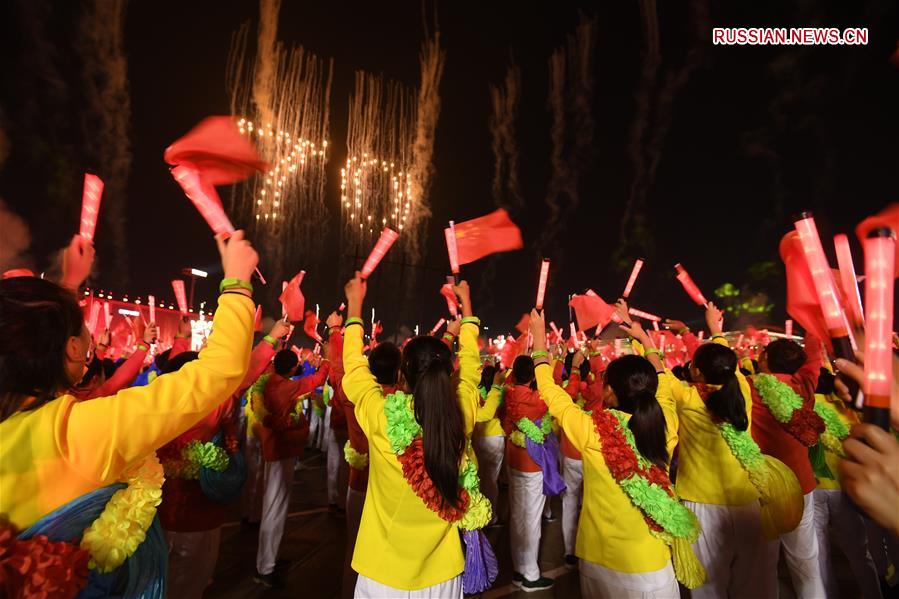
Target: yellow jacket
(402, 543)
(486, 422)
(66, 448)
(612, 531)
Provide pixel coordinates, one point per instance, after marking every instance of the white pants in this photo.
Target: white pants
(733, 552)
(851, 536)
(192, 557)
(278, 479)
(254, 487)
(335, 456)
(573, 472)
(451, 589)
(597, 581)
(355, 501)
(801, 551)
(490, 452)
(526, 501)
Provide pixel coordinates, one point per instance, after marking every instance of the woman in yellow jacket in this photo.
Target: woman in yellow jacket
(630, 514)
(423, 483)
(56, 450)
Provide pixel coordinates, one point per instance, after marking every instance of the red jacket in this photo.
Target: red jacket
(520, 401)
(338, 401)
(771, 436)
(281, 435)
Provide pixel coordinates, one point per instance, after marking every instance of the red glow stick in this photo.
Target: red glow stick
(556, 330)
(93, 318)
(642, 314)
(788, 327)
(151, 300)
(822, 277)
(317, 350)
(180, 295)
(573, 330)
(342, 307)
(107, 316)
(437, 326)
(90, 205)
(655, 325)
(451, 248)
(880, 256)
(630, 282)
(848, 280)
(388, 236)
(541, 287)
(283, 307)
(205, 199)
(689, 286)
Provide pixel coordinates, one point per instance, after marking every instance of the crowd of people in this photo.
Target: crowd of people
(692, 469)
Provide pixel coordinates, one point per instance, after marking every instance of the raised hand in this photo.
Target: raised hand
(537, 327)
(463, 292)
(280, 329)
(714, 318)
(151, 332)
(355, 295)
(334, 320)
(77, 260)
(239, 259)
(453, 327)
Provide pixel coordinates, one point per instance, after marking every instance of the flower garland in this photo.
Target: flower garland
(123, 524)
(194, 455)
(356, 459)
(835, 429)
(746, 450)
(527, 429)
(789, 409)
(404, 435)
(39, 567)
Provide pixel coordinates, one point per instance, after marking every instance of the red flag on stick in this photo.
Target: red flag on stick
(802, 301)
(180, 295)
(487, 235)
(591, 311)
(310, 326)
(689, 286)
(888, 218)
(90, 205)
(216, 149)
(292, 299)
(524, 323)
(388, 236)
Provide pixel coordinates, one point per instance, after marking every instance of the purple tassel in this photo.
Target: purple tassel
(481, 567)
(547, 457)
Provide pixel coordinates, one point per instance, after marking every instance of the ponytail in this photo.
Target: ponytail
(427, 366)
(634, 381)
(718, 365)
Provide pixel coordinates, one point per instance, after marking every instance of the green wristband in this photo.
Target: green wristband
(472, 320)
(657, 352)
(354, 320)
(235, 283)
(718, 336)
(539, 354)
(270, 339)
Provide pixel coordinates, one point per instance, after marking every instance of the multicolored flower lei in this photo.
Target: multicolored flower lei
(123, 524)
(527, 429)
(646, 485)
(404, 436)
(789, 409)
(356, 459)
(194, 455)
(835, 429)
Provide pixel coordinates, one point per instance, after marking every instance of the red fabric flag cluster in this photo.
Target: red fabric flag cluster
(591, 310)
(292, 298)
(802, 299)
(486, 235)
(310, 326)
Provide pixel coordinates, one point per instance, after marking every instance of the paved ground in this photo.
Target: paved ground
(314, 543)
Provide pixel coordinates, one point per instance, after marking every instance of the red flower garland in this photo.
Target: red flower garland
(39, 567)
(805, 425)
(413, 463)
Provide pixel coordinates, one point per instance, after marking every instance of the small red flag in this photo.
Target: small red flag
(217, 150)
(524, 324)
(591, 311)
(292, 298)
(310, 326)
(802, 299)
(487, 235)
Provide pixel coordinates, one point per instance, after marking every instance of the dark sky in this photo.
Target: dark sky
(756, 133)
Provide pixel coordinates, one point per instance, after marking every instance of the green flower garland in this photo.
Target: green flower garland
(836, 430)
(402, 430)
(777, 397)
(746, 450)
(527, 429)
(195, 455)
(356, 459)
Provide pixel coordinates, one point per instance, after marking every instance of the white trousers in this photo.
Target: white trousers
(254, 487)
(526, 501)
(600, 582)
(335, 456)
(801, 551)
(831, 510)
(573, 473)
(490, 452)
(192, 557)
(733, 552)
(278, 479)
(368, 588)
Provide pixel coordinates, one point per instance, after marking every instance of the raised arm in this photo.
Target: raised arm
(809, 372)
(359, 384)
(469, 358)
(494, 400)
(125, 374)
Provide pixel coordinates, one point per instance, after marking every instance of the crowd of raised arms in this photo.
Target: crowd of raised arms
(694, 471)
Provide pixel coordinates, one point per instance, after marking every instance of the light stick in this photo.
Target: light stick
(630, 282)
(788, 328)
(689, 286)
(848, 280)
(541, 286)
(90, 205)
(316, 312)
(388, 236)
(573, 330)
(655, 325)
(701, 335)
(452, 250)
(151, 300)
(880, 256)
(556, 330)
(283, 306)
(107, 316)
(342, 307)
(317, 350)
(642, 314)
(180, 295)
(204, 198)
(437, 326)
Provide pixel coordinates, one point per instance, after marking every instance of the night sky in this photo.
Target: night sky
(753, 135)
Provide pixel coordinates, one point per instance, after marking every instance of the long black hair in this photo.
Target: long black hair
(427, 366)
(37, 318)
(634, 381)
(718, 366)
(487, 375)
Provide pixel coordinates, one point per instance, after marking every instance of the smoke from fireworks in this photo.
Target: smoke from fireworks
(281, 100)
(570, 102)
(504, 109)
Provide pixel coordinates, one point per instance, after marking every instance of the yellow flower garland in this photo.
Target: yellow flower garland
(123, 524)
(356, 459)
